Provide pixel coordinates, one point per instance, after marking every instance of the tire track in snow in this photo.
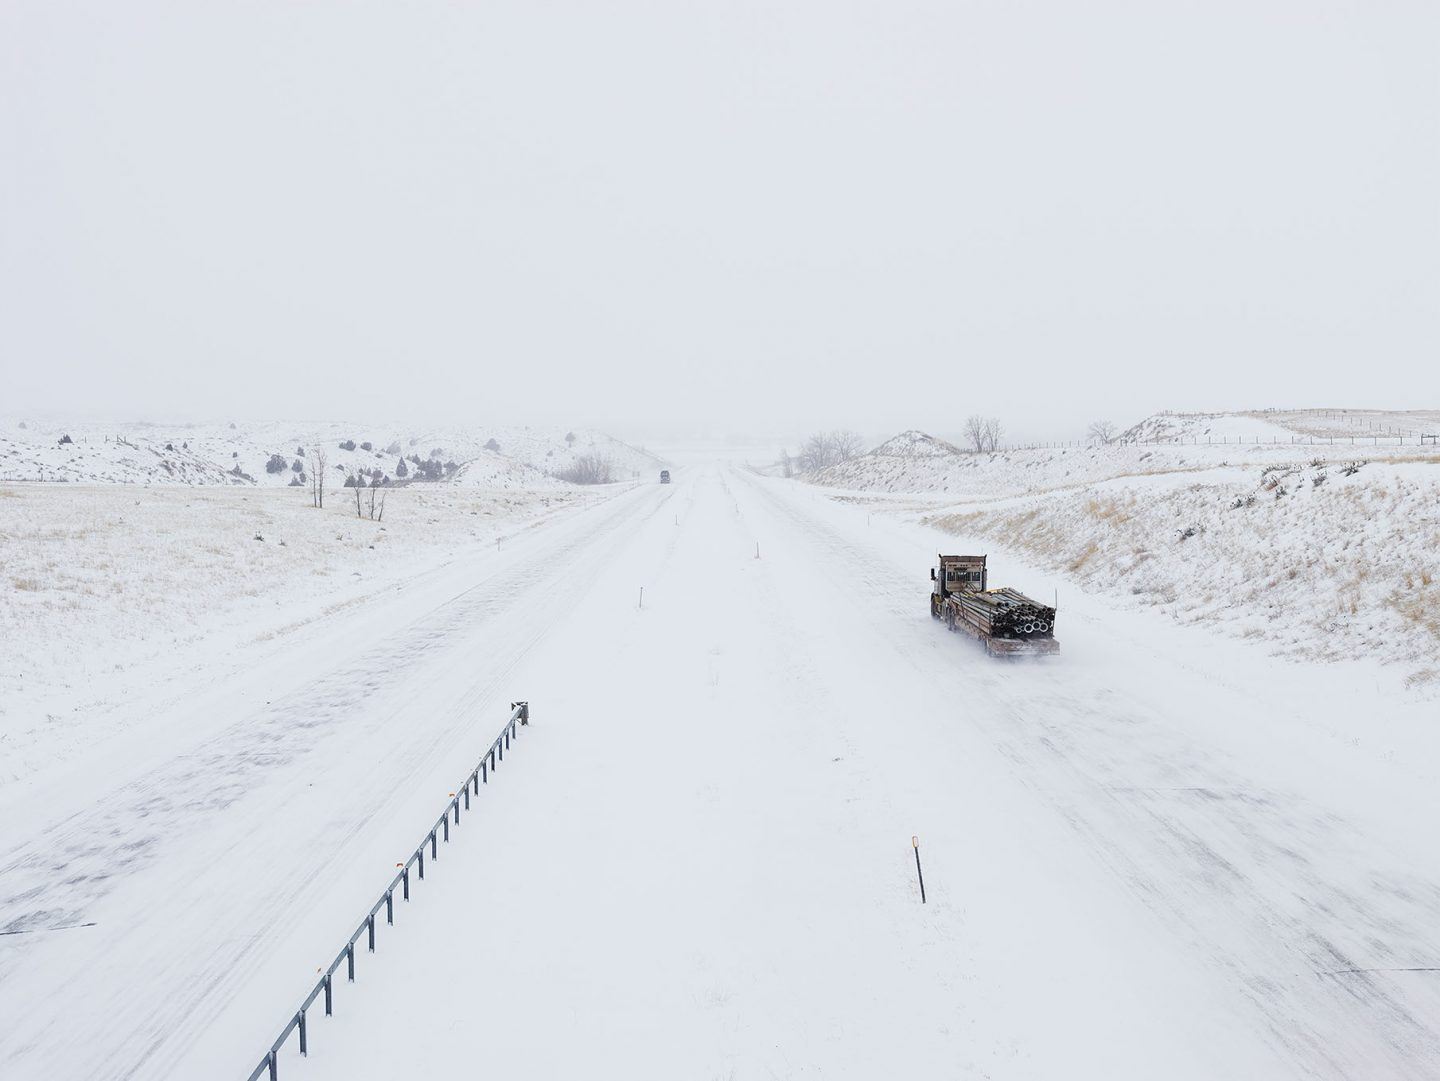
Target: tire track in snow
(1298, 935)
(201, 801)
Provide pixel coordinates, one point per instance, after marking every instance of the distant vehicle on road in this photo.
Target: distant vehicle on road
(664, 476)
(1007, 623)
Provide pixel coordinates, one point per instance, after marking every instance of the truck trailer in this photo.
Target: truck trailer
(1006, 622)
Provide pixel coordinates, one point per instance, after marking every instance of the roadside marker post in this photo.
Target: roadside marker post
(915, 844)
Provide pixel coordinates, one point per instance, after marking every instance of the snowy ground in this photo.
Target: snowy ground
(113, 597)
(1164, 855)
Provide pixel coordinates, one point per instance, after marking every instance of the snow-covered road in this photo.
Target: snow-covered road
(1140, 861)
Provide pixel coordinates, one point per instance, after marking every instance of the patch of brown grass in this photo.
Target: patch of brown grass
(1086, 554)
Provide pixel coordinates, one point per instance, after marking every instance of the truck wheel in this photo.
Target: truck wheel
(934, 607)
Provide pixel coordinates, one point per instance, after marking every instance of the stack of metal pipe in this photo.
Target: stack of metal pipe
(1005, 613)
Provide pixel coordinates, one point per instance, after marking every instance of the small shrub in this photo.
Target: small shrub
(65, 439)
(349, 444)
(367, 445)
(276, 464)
(492, 445)
(401, 469)
(588, 469)
(1317, 480)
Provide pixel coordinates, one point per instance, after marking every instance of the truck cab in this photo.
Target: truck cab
(954, 574)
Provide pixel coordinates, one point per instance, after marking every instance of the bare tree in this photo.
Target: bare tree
(975, 431)
(983, 433)
(317, 478)
(993, 432)
(847, 444)
(816, 453)
(1102, 431)
(787, 464)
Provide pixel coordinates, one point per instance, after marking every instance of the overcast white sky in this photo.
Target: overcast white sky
(743, 215)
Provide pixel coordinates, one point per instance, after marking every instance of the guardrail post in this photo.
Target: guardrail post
(484, 775)
(405, 881)
(467, 796)
(304, 1046)
(390, 906)
(274, 1066)
(327, 995)
(446, 826)
(371, 922)
(420, 852)
(350, 962)
(434, 852)
(457, 810)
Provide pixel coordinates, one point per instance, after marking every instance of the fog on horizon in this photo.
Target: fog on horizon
(749, 218)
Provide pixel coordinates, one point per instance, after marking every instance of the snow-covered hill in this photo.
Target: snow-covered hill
(915, 444)
(1362, 426)
(1328, 549)
(277, 453)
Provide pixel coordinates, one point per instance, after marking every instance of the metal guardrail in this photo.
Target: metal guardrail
(269, 1065)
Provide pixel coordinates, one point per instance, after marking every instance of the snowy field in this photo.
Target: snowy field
(115, 597)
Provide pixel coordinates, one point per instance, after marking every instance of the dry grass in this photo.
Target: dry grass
(1086, 554)
(1109, 510)
(29, 585)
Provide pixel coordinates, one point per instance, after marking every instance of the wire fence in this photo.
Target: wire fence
(1417, 439)
(269, 1065)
